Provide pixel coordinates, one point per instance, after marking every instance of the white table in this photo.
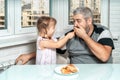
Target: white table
(46, 72)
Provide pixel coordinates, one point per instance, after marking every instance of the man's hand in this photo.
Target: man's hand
(80, 32)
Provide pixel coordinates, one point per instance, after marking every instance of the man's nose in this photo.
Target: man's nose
(75, 23)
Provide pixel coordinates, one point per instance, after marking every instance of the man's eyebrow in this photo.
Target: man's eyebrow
(76, 19)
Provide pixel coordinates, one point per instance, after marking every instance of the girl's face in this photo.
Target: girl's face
(51, 29)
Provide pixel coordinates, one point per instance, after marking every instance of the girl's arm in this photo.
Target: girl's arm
(56, 44)
(25, 57)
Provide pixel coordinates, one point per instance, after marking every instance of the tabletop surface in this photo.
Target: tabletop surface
(47, 72)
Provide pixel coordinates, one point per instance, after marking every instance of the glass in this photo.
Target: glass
(94, 5)
(31, 10)
(2, 14)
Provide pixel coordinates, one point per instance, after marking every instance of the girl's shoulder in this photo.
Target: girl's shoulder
(41, 38)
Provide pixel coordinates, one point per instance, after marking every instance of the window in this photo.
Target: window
(2, 14)
(6, 17)
(94, 5)
(20, 16)
(31, 10)
(18, 19)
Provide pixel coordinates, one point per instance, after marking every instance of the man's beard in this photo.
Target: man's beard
(87, 29)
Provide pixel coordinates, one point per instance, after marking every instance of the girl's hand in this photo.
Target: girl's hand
(71, 35)
(23, 58)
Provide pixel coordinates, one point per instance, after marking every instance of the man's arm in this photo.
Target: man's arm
(101, 51)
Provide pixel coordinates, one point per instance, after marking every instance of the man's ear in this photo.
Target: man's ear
(89, 21)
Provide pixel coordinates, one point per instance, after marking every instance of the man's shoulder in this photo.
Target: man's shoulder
(99, 28)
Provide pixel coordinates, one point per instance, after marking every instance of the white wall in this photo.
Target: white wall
(12, 52)
(104, 13)
(59, 10)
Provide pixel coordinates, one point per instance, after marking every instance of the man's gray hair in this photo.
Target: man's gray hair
(85, 11)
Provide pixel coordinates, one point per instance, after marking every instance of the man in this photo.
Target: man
(92, 43)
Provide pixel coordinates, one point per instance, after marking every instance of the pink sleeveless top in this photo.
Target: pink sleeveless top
(45, 56)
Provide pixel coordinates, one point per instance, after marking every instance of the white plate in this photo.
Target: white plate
(58, 71)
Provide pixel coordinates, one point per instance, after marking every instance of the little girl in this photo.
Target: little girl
(46, 44)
